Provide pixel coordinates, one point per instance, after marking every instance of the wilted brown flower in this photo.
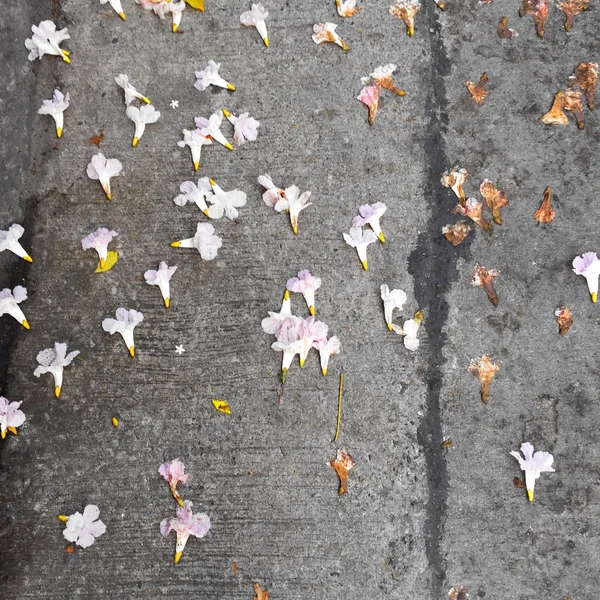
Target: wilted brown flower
(406, 10)
(503, 30)
(472, 209)
(574, 103)
(345, 10)
(479, 90)
(538, 10)
(441, 4)
(564, 319)
(484, 369)
(341, 465)
(572, 8)
(456, 234)
(454, 179)
(260, 593)
(585, 76)
(484, 278)
(446, 444)
(458, 593)
(556, 116)
(494, 198)
(545, 213)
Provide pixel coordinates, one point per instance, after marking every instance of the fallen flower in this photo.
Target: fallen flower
(112, 258)
(288, 341)
(484, 278)
(173, 473)
(273, 194)
(162, 7)
(325, 32)
(103, 169)
(294, 203)
(573, 102)
(538, 10)
(54, 360)
(197, 4)
(456, 234)
(359, 238)
(410, 330)
(83, 529)
(473, 209)
(255, 17)
(441, 5)
(347, 8)
(130, 92)
(225, 203)
(161, 278)
(305, 284)
(211, 128)
(382, 76)
(190, 192)
(210, 76)
(588, 265)
(260, 593)
(10, 416)
(572, 8)
(46, 40)
(118, 8)
(195, 140)
(564, 319)
(585, 76)
(545, 213)
(454, 179)
(503, 30)
(556, 115)
(326, 348)
(55, 108)
(245, 128)
(534, 464)
(369, 214)
(458, 593)
(9, 301)
(222, 406)
(309, 331)
(99, 240)
(204, 241)
(125, 323)
(494, 198)
(9, 240)
(179, 349)
(391, 300)
(406, 10)
(276, 322)
(174, 104)
(484, 369)
(141, 117)
(478, 90)
(369, 96)
(341, 465)
(186, 523)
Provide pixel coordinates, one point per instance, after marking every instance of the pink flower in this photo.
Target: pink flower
(245, 128)
(186, 523)
(370, 215)
(369, 96)
(99, 240)
(256, 17)
(326, 348)
(305, 284)
(10, 416)
(588, 265)
(309, 331)
(84, 529)
(174, 473)
(273, 194)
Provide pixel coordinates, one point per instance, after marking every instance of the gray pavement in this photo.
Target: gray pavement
(418, 518)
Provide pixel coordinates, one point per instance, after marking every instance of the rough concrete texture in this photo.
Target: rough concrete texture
(417, 519)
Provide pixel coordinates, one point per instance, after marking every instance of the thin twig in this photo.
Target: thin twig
(339, 414)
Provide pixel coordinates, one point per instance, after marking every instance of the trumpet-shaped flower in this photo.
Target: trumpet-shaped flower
(534, 464)
(10, 416)
(276, 322)
(174, 473)
(360, 238)
(341, 464)
(494, 198)
(9, 304)
(211, 128)
(538, 10)
(204, 241)
(46, 40)
(9, 240)
(55, 108)
(225, 203)
(369, 96)
(210, 76)
(370, 215)
(410, 330)
(288, 342)
(195, 140)
(54, 360)
(272, 194)
(454, 179)
(125, 323)
(190, 192)
(161, 278)
(255, 17)
(309, 331)
(99, 240)
(326, 348)
(391, 300)
(473, 209)
(325, 32)
(245, 128)
(162, 8)
(456, 234)
(130, 92)
(295, 203)
(406, 10)
(485, 278)
(83, 529)
(305, 284)
(382, 76)
(347, 8)
(141, 117)
(186, 523)
(588, 265)
(118, 8)
(485, 370)
(103, 169)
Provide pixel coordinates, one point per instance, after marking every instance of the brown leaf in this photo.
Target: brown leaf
(545, 213)
(538, 10)
(573, 102)
(473, 209)
(454, 179)
(456, 234)
(585, 76)
(494, 198)
(503, 30)
(479, 90)
(260, 593)
(484, 278)
(519, 483)
(556, 116)
(564, 319)
(572, 8)
(484, 369)
(458, 593)
(96, 140)
(341, 465)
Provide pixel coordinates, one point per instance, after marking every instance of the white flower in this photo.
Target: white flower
(45, 40)
(288, 342)
(244, 127)
(273, 323)
(10, 416)
(177, 9)
(141, 117)
(326, 348)
(9, 302)
(211, 128)
(225, 202)
(190, 192)
(99, 240)
(370, 215)
(55, 108)
(347, 8)
(255, 17)
(360, 239)
(588, 265)
(325, 32)
(295, 203)
(309, 332)
(164, 7)
(204, 241)
(210, 76)
(124, 324)
(116, 4)
(179, 349)
(130, 92)
(273, 194)
(9, 240)
(174, 104)
(103, 169)
(195, 140)
(305, 284)
(84, 529)
(409, 330)
(54, 360)
(391, 300)
(533, 465)
(161, 278)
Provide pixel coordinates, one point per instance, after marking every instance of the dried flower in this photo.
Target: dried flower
(484, 369)
(54, 360)
(503, 30)
(369, 214)
(441, 5)
(458, 593)
(454, 179)
(341, 465)
(391, 300)
(118, 8)
(360, 238)
(556, 116)
(186, 523)
(410, 330)
(573, 102)
(588, 265)
(225, 203)
(484, 278)
(538, 10)
(572, 8)
(255, 17)
(382, 76)
(260, 593)
(327, 348)
(103, 169)
(10, 415)
(210, 76)
(245, 128)
(273, 194)
(545, 213)
(194, 140)
(473, 209)
(99, 240)
(369, 96)
(55, 108)
(494, 198)
(126, 321)
(162, 279)
(564, 319)
(534, 464)
(294, 203)
(305, 284)
(162, 8)
(190, 192)
(456, 234)
(325, 32)
(585, 77)
(130, 92)
(9, 240)
(9, 301)
(46, 40)
(211, 128)
(204, 241)
(141, 117)
(478, 90)
(84, 529)
(406, 10)
(174, 473)
(347, 8)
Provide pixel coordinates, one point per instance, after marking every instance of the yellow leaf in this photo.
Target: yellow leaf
(115, 422)
(111, 260)
(222, 406)
(199, 4)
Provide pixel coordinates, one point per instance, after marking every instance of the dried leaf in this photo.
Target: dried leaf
(538, 10)
(341, 465)
(564, 319)
(222, 406)
(572, 8)
(503, 31)
(484, 369)
(260, 593)
(484, 278)
(573, 102)
(545, 213)
(494, 198)
(479, 90)
(518, 483)
(458, 593)
(446, 444)
(115, 422)
(473, 209)
(111, 260)
(585, 76)
(556, 116)
(96, 140)
(456, 234)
